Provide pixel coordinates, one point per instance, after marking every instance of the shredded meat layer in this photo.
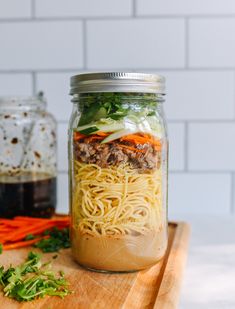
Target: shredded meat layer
(142, 157)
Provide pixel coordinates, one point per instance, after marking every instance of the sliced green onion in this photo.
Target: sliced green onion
(89, 130)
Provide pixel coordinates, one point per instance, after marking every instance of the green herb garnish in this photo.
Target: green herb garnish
(32, 280)
(89, 130)
(59, 239)
(29, 237)
(114, 105)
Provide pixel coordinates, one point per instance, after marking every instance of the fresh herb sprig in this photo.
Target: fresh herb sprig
(32, 280)
(58, 239)
(114, 105)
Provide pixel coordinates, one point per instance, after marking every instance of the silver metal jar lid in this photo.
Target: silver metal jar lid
(117, 82)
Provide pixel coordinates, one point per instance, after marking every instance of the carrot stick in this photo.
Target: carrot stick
(13, 231)
(21, 244)
(2, 240)
(137, 139)
(104, 134)
(6, 237)
(36, 229)
(4, 229)
(34, 219)
(30, 219)
(77, 136)
(10, 223)
(94, 138)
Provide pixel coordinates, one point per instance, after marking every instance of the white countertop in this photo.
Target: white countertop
(209, 277)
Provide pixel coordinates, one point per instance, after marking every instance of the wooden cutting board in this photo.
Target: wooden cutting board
(157, 287)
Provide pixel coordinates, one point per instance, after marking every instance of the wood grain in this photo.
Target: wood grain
(158, 287)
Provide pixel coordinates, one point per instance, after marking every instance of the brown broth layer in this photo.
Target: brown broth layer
(126, 253)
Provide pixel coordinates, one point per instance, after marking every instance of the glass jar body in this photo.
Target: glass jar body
(27, 158)
(118, 181)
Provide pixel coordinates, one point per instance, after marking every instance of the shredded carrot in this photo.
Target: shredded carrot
(28, 219)
(144, 139)
(21, 244)
(64, 219)
(104, 134)
(135, 138)
(4, 230)
(98, 135)
(13, 231)
(77, 136)
(37, 229)
(138, 138)
(94, 137)
(9, 223)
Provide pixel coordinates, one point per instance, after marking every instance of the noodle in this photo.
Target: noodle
(116, 200)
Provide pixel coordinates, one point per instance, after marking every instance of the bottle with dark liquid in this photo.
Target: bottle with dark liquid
(27, 195)
(27, 158)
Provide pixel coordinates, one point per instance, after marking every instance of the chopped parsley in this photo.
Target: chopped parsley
(58, 239)
(32, 280)
(114, 105)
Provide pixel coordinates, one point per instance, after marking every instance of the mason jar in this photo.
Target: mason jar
(27, 158)
(118, 171)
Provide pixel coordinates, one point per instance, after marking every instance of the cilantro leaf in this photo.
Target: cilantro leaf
(32, 280)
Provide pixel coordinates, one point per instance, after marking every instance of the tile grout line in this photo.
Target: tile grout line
(206, 172)
(186, 22)
(234, 94)
(33, 9)
(84, 23)
(203, 121)
(22, 71)
(179, 69)
(186, 146)
(134, 8)
(110, 18)
(177, 16)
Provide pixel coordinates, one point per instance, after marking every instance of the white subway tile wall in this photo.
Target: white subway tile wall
(35, 45)
(211, 146)
(81, 8)
(184, 7)
(15, 9)
(62, 132)
(200, 95)
(62, 193)
(44, 42)
(199, 193)
(117, 44)
(211, 42)
(56, 88)
(16, 84)
(176, 133)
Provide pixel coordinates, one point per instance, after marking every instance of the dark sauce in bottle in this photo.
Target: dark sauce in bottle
(27, 194)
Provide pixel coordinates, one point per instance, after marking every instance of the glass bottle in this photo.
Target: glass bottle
(27, 158)
(118, 150)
